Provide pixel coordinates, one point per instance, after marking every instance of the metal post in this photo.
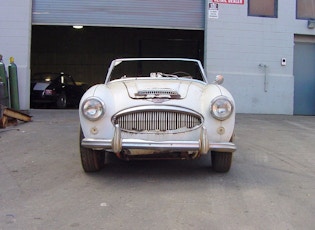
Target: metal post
(265, 77)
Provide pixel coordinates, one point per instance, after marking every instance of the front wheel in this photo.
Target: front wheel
(92, 160)
(61, 101)
(221, 161)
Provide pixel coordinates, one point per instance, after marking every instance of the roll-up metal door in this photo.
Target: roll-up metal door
(175, 14)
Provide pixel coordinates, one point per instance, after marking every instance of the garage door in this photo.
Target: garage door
(176, 14)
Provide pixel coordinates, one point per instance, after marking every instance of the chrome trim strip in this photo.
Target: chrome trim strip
(163, 145)
(118, 61)
(158, 108)
(223, 147)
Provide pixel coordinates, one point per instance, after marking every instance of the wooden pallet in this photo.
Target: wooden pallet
(10, 117)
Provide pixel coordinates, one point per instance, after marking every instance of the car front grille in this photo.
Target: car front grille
(158, 121)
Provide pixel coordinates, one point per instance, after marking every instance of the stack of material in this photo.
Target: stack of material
(10, 117)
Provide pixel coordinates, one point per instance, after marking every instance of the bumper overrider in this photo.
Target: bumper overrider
(117, 144)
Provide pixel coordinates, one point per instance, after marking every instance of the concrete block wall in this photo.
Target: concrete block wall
(15, 41)
(238, 46)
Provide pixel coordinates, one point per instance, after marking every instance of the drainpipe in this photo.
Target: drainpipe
(265, 77)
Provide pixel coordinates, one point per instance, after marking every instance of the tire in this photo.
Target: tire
(62, 101)
(221, 161)
(92, 160)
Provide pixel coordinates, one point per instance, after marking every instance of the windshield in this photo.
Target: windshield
(153, 68)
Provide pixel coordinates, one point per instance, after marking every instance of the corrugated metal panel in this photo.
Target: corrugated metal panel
(178, 14)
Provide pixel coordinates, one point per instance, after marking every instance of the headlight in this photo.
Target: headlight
(93, 108)
(221, 108)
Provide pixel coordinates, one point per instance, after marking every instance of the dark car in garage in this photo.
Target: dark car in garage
(56, 90)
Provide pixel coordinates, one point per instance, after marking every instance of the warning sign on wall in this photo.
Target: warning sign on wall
(213, 11)
(241, 2)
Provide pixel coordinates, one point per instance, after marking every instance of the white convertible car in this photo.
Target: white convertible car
(157, 108)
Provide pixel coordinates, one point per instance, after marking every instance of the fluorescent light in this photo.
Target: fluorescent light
(78, 27)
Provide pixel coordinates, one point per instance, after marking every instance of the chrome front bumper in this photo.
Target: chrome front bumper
(117, 144)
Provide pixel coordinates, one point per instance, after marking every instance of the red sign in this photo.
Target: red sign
(240, 2)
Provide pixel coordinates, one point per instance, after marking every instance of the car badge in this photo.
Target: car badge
(159, 100)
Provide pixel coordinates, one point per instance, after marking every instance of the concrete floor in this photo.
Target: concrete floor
(271, 184)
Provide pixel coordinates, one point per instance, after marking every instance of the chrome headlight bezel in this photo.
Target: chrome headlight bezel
(222, 108)
(93, 108)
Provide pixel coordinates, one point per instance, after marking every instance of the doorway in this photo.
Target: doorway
(304, 78)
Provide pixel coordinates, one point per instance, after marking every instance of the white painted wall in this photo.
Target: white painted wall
(15, 41)
(235, 46)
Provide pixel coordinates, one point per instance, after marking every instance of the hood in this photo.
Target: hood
(158, 89)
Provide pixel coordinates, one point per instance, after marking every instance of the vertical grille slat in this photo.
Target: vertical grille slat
(157, 121)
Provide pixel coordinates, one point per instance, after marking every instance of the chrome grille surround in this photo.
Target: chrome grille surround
(157, 119)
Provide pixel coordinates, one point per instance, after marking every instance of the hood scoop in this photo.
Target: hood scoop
(157, 89)
(157, 93)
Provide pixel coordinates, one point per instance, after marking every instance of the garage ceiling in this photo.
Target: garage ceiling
(175, 14)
